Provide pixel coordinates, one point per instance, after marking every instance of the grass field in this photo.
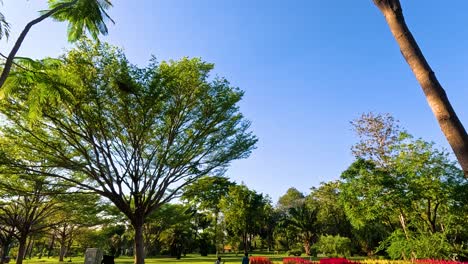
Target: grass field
(189, 259)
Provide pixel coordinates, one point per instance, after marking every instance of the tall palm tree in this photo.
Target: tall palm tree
(82, 15)
(436, 97)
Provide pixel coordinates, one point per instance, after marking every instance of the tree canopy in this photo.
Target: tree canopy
(136, 136)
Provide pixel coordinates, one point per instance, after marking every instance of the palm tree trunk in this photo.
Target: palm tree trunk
(435, 94)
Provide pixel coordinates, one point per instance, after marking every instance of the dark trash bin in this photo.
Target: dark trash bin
(106, 259)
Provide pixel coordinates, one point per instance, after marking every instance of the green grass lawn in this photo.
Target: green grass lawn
(189, 259)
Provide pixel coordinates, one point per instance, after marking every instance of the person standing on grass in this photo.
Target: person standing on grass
(218, 261)
(245, 259)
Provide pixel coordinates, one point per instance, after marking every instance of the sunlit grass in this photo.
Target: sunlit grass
(188, 259)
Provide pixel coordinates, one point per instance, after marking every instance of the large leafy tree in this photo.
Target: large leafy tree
(135, 136)
(82, 16)
(448, 120)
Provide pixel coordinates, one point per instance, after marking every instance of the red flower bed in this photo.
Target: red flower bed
(260, 260)
(297, 260)
(337, 261)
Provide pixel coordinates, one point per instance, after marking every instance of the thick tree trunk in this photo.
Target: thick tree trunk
(21, 250)
(436, 97)
(139, 243)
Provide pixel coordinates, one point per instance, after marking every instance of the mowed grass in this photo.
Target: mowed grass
(188, 259)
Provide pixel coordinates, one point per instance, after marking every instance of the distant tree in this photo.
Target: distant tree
(159, 221)
(77, 211)
(269, 224)
(331, 214)
(291, 198)
(243, 210)
(81, 15)
(303, 217)
(135, 136)
(435, 94)
(28, 207)
(377, 134)
(179, 234)
(206, 193)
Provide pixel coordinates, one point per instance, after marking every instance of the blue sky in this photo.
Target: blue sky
(308, 67)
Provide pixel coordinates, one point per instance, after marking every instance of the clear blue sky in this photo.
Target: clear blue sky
(308, 67)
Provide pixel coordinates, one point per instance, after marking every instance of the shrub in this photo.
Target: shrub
(294, 252)
(260, 260)
(421, 246)
(334, 246)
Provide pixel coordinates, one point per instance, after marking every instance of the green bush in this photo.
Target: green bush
(423, 246)
(294, 252)
(334, 246)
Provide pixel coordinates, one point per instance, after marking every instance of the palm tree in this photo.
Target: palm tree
(82, 15)
(436, 97)
(4, 27)
(303, 217)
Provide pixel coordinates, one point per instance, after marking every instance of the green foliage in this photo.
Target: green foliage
(405, 185)
(334, 246)
(423, 246)
(303, 218)
(291, 198)
(89, 15)
(206, 192)
(243, 210)
(136, 136)
(295, 252)
(4, 26)
(331, 215)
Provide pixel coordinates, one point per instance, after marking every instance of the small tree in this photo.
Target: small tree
(135, 136)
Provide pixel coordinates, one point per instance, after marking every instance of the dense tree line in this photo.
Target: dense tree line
(401, 198)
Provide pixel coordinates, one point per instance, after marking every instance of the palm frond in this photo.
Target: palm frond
(84, 16)
(4, 27)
